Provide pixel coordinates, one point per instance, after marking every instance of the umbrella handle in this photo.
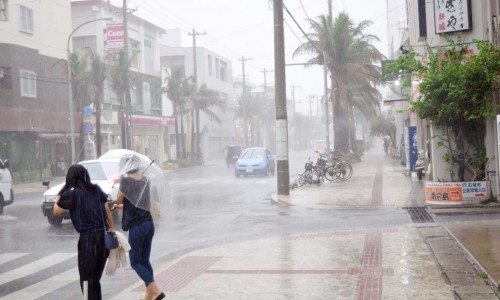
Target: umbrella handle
(148, 167)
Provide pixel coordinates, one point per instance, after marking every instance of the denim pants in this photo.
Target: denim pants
(92, 256)
(140, 238)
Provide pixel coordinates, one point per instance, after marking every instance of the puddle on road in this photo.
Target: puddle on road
(482, 240)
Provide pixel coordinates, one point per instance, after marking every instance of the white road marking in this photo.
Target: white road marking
(46, 286)
(6, 257)
(34, 267)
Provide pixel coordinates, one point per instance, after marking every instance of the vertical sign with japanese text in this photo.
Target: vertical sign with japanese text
(114, 37)
(452, 15)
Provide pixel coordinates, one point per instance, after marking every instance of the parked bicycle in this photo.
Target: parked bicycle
(339, 169)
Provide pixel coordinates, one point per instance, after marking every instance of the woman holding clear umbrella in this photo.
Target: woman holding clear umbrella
(134, 198)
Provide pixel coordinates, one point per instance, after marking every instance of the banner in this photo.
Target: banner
(114, 37)
(456, 192)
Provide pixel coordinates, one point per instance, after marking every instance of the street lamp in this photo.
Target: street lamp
(70, 86)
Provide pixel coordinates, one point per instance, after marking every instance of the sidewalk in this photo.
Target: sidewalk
(420, 261)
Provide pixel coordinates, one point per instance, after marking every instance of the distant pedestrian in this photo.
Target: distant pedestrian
(387, 141)
(90, 215)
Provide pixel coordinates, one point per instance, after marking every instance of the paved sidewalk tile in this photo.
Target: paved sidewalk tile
(386, 263)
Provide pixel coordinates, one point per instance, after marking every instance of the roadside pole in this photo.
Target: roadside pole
(283, 174)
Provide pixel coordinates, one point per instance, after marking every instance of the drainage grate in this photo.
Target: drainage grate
(419, 215)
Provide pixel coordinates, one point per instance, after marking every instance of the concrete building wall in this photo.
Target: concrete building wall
(51, 26)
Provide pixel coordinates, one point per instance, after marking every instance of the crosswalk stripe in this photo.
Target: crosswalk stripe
(46, 286)
(6, 257)
(34, 267)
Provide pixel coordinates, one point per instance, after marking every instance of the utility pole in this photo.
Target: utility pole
(265, 71)
(195, 141)
(127, 142)
(325, 85)
(283, 173)
(243, 99)
(195, 75)
(330, 8)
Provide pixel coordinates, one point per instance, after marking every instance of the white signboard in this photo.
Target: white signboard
(452, 15)
(114, 37)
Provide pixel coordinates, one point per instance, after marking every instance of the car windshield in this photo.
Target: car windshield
(102, 170)
(254, 153)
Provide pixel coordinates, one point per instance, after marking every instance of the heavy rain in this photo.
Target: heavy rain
(279, 149)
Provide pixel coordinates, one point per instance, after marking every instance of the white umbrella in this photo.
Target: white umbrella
(142, 182)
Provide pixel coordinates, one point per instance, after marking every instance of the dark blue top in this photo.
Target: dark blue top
(85, 209)
(136, 202)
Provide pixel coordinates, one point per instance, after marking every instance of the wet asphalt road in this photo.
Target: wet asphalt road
(203, 206)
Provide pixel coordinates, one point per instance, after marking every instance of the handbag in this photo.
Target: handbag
(110, 240)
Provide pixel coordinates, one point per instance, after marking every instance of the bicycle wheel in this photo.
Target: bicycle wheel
(306, 177)
(295, 181)
(343, 170)
(330, 173)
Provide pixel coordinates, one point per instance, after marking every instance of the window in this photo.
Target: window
(422, 19)
(217, 67)
(81, 42)
(4, 5)
(149, 55)
(223, 71)
(5, 78)
(135, 48)
(155, 100)
(210, 65)
(146, 97)
(28, 84)
(25, 19)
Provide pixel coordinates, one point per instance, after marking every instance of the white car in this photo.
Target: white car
(6, 192)
(103, 171)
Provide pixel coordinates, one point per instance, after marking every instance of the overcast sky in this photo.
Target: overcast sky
(244, 28)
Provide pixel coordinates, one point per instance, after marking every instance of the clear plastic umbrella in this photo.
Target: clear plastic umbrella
(142, 181)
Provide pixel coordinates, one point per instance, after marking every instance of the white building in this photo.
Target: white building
(215, 71)
(429, 26)
(34, 114)
(150, 123)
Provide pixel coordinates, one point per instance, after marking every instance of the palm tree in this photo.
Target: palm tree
(351, 59)
(179, 89)
(118, 73)
(97, 77)
(246, 109)
(79, 76)
(203, 100)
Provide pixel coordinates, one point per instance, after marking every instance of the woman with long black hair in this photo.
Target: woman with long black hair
(90, 214)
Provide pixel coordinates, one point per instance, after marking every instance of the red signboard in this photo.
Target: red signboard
(114, 37)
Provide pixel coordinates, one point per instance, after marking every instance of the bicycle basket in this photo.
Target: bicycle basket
(321, 161)
(308, 166)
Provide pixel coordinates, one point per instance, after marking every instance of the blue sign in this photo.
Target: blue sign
(413, 143)
(88, 127)
(87, 112)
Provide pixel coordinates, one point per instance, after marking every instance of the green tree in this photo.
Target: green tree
(352, 62)
(179, 89)
(204, 99)
(455, 94)
(118, 73)
(79, 69)
(97, 77)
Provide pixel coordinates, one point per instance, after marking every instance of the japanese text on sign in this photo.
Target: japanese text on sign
(452, 15)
